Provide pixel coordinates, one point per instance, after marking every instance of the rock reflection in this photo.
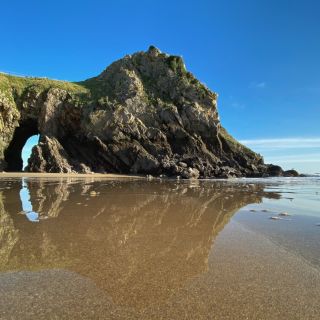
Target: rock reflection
(8, 234)
(139, 241)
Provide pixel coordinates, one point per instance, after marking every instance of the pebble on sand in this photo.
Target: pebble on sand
(275, 218)
(284, 214)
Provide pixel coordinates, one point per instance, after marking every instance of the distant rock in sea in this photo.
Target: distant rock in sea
(144, 114)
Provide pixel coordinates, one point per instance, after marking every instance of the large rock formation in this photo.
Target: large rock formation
(144, 114)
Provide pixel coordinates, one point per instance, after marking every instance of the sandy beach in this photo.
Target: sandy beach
(107, 246)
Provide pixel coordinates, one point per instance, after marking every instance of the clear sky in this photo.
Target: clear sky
(261, 57)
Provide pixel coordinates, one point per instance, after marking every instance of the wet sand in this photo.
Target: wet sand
(252, 278)
(138, 249)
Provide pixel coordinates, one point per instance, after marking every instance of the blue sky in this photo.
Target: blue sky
(261, 57)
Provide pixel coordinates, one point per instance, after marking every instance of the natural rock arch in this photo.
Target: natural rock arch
(13, 153)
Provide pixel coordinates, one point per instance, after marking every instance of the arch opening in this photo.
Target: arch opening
(27, 149)
(13, 154)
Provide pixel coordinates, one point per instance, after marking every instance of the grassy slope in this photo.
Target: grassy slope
(9, 83)
(235, 146)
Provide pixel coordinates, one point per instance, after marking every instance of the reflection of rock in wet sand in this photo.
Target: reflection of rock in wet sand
(8, 234)
(139, 241)
(48, 197)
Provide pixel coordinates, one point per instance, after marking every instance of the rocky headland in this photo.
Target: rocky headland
(144, 114)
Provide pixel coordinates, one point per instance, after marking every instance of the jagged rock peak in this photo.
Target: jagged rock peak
(153, 51)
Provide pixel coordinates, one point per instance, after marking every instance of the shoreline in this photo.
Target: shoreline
(69, 175)
(116, 176)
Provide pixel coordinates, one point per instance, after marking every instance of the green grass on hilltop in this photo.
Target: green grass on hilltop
(20, 84)
(97, 87)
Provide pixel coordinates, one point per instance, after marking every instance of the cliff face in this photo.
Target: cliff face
(144, 114)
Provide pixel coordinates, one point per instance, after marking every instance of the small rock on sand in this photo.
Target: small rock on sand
(275, 218)
(284, 214)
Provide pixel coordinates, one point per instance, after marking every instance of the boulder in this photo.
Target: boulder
(291, 173)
